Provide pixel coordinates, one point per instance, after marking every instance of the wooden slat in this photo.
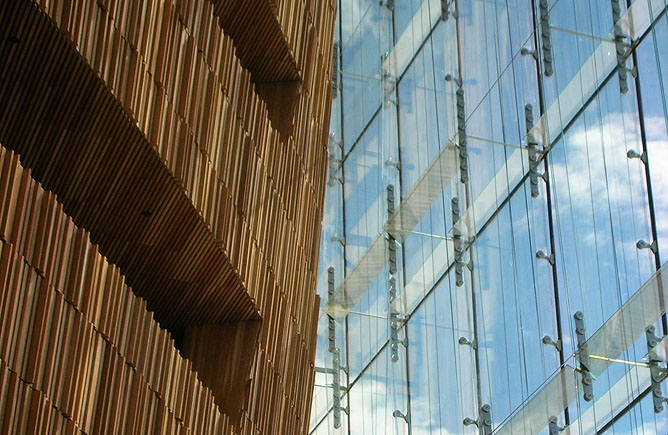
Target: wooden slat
(145, 121)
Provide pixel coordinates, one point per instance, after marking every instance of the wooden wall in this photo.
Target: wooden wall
(143, 117)
(73, 336)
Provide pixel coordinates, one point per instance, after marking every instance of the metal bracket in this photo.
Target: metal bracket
(324, 370)
(657, 373)
(546, 37)
(392, 245)
(392, 164)
(336, 383)
(633, 154)
(335, 71)
(394, 318)
(484, 421)
(457, 245)
(387, 3)
(641, 244)
(451, 78)
(547, 340)
(526, 51)
(583, 356)
(532, 148)
(543, 256)
(390, 199)
(445, 10)
(406, 417)
(620, 47)
(389, 84)
(340, 240)
(392, 252)
(466, 342)
(334, 163)
(395, 324)
(331, 324)
(461, 130)
(554, 427)
(335, 371)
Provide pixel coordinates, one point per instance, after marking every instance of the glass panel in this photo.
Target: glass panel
(377, 394)
(624, 327)
(601, 212)
(358, 281)
(640, 419)
(550, 400)
(440, 259)
(361, 71)
(427, 105)
(368, 326)
(591, 73)
(416, 31)
(635, 381)
(653, 74)
(440, 402)
(425, 192)
(559, 114)
(620, 331)
(515, 304)
(352, 13)
(326, 426)
(322, 393)
(587, 225)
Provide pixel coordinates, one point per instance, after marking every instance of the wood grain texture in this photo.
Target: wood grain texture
(169, 147)
(222, 355)
(75, 339)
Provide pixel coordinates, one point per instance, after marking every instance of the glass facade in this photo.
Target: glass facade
(496, 219)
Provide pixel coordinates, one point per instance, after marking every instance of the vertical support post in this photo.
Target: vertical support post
(468, 201)
(532, 148)
(392, 248)
(331, 324)
(389, 85)
(486, 419)
(546, 37)
(483, 422)
(445, 12)
(389, 4)
(548, 194)
(648, 177)
(461, 130)
(554, 428)
(583, 356)
(657, 373)
(334, 163)
(336, 383)
(394, 318)
(458, 245)
(341, 178)
(335, 71)
(620, 47)
(336, 356)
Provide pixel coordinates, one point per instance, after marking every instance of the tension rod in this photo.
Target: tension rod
(621, 361)
(418, 233)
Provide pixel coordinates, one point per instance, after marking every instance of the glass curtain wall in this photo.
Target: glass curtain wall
(496, 219)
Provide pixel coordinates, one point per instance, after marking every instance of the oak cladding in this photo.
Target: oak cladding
(145, 119)
(75, 338)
